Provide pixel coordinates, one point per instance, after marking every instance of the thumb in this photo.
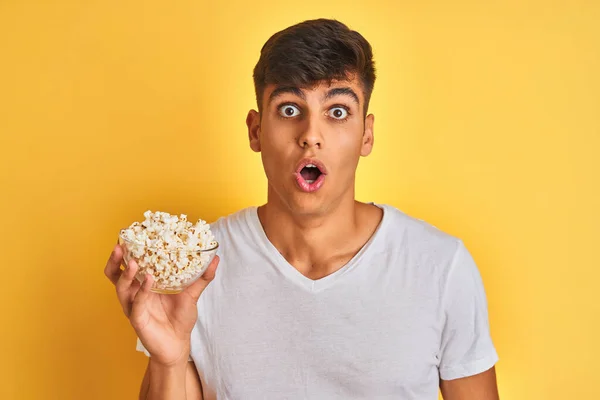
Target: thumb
(196, 288)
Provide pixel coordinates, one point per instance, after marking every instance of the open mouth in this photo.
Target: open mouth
(310, 173)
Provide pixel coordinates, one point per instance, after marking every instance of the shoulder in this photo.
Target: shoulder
(435, 261)
(436, 253)
(427, 250)
(237, 223)
(411, 233)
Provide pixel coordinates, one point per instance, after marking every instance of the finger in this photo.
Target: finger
(127, 288)
(144, 292)
(126, 298)
(112, 269)
(127, 277)
(196, 288)
(139, 315)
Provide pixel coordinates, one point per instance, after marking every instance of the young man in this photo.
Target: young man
(317, 295)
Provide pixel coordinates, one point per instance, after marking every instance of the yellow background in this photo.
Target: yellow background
(487, 126)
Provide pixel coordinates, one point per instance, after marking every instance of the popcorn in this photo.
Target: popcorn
(170, 248)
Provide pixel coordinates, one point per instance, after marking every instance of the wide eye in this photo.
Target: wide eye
(288, 111)
(338, 113)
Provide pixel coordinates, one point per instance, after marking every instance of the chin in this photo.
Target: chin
(308, 205)
(300, 203)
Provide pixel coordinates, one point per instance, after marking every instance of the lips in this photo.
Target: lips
(312, 162)
(310, 174)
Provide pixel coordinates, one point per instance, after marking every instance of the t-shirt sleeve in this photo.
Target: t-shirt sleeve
(466, 346)
(140, 347)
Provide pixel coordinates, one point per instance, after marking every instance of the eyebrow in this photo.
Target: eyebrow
(346, 91)
(286, 89)
(341, 91)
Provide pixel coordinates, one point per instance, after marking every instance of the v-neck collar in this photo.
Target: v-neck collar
(291, 273)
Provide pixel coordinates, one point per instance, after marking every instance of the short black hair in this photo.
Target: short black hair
(314, 51)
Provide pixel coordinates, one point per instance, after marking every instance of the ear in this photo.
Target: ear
(253, 124)
(368, 138)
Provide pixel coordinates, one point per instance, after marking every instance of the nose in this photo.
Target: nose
(311, 136)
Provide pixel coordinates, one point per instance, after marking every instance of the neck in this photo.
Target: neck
(313, 242)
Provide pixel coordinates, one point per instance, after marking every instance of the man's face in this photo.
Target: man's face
(310, 141)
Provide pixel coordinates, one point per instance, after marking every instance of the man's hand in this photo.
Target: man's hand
(163, 322)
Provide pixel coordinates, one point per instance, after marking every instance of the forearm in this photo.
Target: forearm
(166, 383)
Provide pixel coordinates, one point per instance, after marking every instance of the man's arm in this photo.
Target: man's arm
(178, 383)
(477, 387)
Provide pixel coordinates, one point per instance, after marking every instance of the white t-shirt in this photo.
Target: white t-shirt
(409, 308)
